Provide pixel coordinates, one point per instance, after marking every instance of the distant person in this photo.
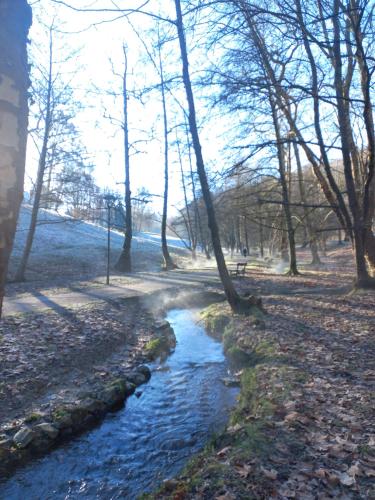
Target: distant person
(244, 251)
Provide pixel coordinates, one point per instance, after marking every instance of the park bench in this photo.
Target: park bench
(240, 269)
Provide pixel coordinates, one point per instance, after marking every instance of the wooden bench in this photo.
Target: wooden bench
(240, 269)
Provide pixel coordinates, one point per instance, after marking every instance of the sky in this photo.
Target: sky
(99, 56)
(97, 70)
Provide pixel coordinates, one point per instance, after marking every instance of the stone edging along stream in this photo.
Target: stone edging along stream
(38, 433)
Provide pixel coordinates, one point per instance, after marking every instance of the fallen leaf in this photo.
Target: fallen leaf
(223, 452)
(269, 473)
(332, 478)
(226, 496)
(345, 479)
(243, 470)
(234, 428)
(320, 473)
(291, 417)
(354, 470)
(369, 472)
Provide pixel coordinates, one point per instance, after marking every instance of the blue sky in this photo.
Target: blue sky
(100, 53)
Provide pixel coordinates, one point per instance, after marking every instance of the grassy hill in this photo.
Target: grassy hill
(66, 248)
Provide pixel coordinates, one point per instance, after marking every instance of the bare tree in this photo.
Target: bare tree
(124, 262)
(53, 133)
(168, 262)
(236, 302)
(321, 64)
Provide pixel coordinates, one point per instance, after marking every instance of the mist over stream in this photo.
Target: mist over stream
(151, 438)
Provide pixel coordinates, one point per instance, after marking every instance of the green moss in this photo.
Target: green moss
(248, 390)
(62, 414)
(229, 336)
(365, 449)
(265, 349)
(238, 356)
(119, 384)
(216, 317)
(268, 378)
(153, 344)
(154, 348)
(253, 441)
(33, 417)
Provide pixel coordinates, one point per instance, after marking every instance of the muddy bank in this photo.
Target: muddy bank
(61, 373)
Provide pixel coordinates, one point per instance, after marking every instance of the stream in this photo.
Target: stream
(151, 438)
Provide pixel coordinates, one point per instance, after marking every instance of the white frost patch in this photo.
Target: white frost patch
(62, 237)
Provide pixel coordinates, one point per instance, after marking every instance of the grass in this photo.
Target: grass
(267, 381)
(33, 417)
(154, 348)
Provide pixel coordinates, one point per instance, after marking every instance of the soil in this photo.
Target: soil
(304, 425)
(44, 355)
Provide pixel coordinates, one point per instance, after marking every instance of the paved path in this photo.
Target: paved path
(138, 284)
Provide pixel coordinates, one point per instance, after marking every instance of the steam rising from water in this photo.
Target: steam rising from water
(281, 267)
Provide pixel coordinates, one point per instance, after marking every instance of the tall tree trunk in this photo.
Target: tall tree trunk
(20, 274)
(189, 225)
(15, 21)
(197, 215)
(261, 240)
(168, 262)
(363, 278)
(368, 118)
(317, 121)
(247, 241)
(293, 271)
(311, 233)
(235, 301)
(124, 263)
(260, 227)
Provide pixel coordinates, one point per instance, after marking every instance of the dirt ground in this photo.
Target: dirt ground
(46, 355)
(304, 427)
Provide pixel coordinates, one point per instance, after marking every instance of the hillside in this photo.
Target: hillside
(68, 248)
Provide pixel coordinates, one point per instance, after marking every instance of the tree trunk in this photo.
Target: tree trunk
(284, 251)
(235, 301)
(15, 21)
(261, 241)
(197, 215)
(369, 184)
(247, 241)
(168, 262)
(124, 263)
(311, 233)
(363, 278)
(317, 121)
(20, 274)
(189, 225)
(293, 271)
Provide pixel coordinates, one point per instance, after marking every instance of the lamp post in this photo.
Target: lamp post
(110, 201)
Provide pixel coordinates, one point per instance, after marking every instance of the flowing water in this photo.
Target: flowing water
(149, 440)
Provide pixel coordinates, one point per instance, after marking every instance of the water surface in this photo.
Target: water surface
(149, 440)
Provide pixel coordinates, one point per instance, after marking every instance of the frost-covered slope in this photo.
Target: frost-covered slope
(66, 247)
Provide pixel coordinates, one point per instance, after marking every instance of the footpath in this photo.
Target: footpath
(78, 294)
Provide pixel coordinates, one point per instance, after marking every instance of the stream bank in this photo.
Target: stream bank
(63, 372)
(151, 438)
(303, 425)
